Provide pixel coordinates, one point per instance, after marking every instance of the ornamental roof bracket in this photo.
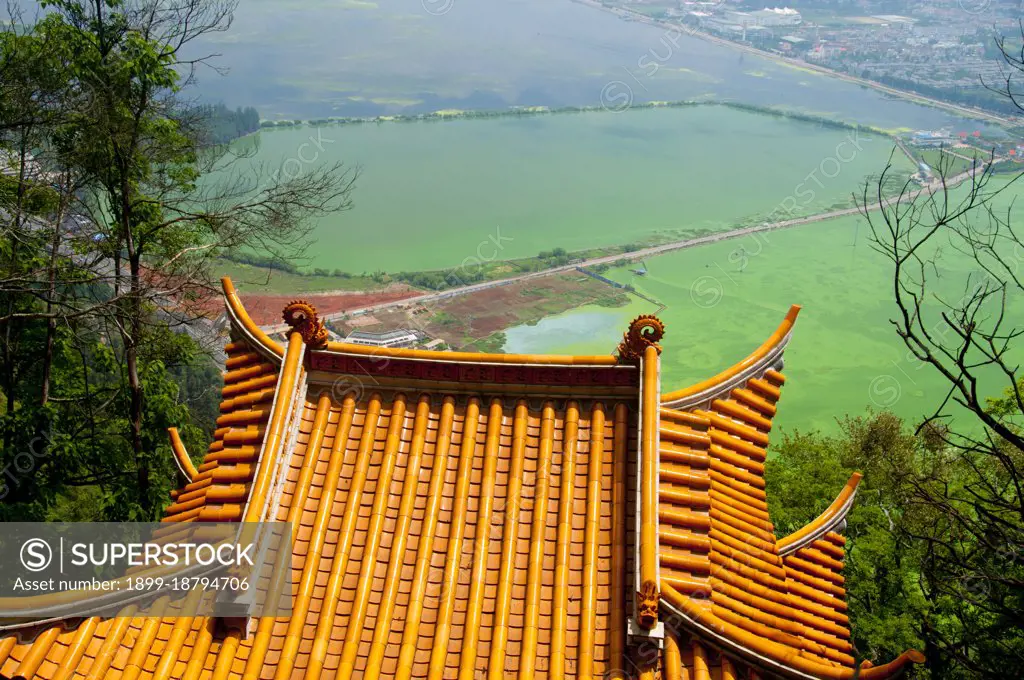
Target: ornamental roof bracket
(644, 331)
(303, 318)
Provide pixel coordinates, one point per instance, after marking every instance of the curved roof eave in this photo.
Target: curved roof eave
(244, 324)
(769, 655)
(181, 457)
(764, 357)
(834, 515)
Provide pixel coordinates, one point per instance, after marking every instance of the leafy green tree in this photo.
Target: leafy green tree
(123, 197)
(806, 473)
(947, 532)
(142, 153)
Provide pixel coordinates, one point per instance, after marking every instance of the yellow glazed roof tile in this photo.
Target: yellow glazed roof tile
(724, 573)
(466, 516)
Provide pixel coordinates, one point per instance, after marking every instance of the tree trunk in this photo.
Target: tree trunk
(932, 655)
(51, 292)
(9, 327)
(135, 419)
(132, 327)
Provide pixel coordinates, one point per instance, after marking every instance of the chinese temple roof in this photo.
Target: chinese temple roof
(462, 515)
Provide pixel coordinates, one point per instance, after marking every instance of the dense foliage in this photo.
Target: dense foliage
(224, 125)
(914, 576)
(108, 233)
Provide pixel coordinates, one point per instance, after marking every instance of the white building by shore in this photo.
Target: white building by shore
(763, 18)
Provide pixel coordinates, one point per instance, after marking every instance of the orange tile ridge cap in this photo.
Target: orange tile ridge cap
(673, 657)
(477, 579)
(766, 352)
(769, 655)
(397, 425)
(643, 331)
(473, 357)
(314, 553)
(834, 515)
(346, 536)
(509, 536)
(700, 661)
(396, 558)
(452, 567)
(646, 610)
(244, 323)
(620, 451)
(588, 602)
(181, 457)
(264, 631)
(425, 551)
(273, 441)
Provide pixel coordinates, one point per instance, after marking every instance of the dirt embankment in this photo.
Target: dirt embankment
(475, 320)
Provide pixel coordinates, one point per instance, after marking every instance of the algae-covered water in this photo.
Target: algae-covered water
(434, 195)
(725, 299)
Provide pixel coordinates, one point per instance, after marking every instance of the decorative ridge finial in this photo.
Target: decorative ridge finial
(302, 317)
(644, 331)
(647, 600)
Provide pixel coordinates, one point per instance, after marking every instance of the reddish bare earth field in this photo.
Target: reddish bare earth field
(266, 309)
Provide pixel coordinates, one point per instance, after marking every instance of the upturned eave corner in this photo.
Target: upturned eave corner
(243, 325)
(693, 616)
(832, 519)
(181, 457)
(766, 357)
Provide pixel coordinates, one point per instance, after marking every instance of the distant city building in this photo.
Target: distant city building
(896, 20)
(777, 16)
(721, 27)
(737, 18)
(762, 18)
(931, 138)
(396, 338)
(790, 42)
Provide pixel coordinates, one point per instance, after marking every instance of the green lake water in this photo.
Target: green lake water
(590, 329)
(844, 356)
(436, 195)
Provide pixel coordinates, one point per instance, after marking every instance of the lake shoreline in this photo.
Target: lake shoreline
(949, 107)
(487, 266)
(450, 115)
